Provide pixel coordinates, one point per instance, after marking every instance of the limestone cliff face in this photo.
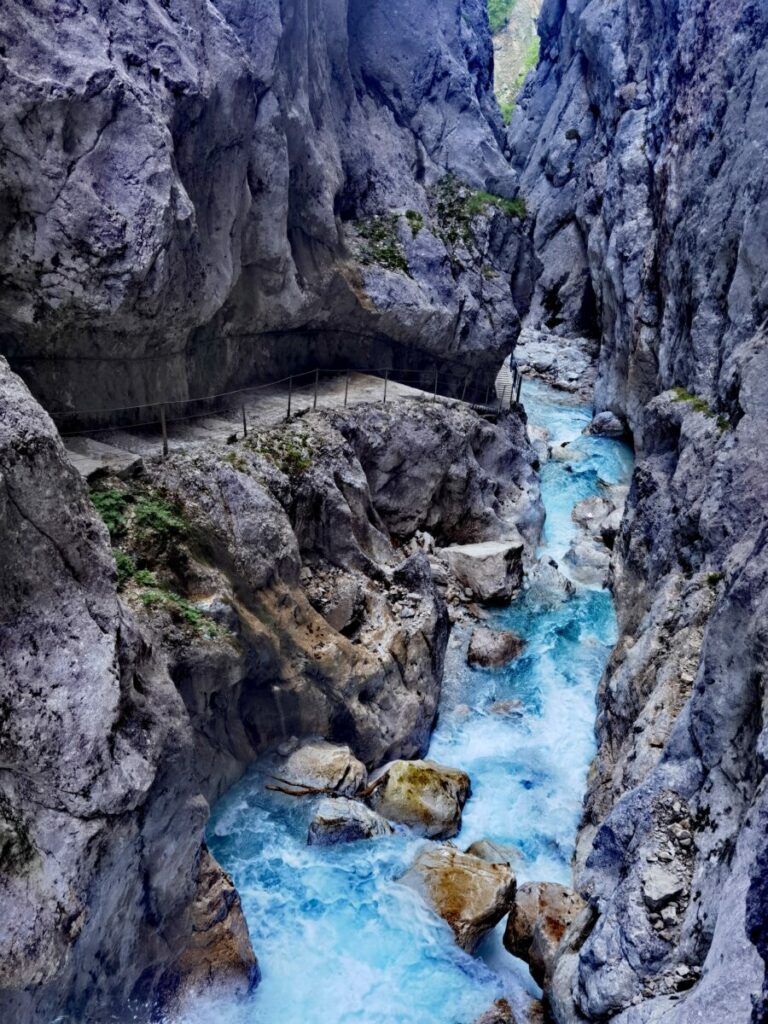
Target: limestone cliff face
(188, 192)
(245, 594)
(641, 147)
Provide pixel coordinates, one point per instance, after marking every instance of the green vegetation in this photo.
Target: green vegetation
(456, 206)
(112, 506)
(699, 404)
(291, 452)
(155, 516)
(713, 578)
(146, 530)
(415, 221)
(383, 246)
(530, 61)
(236, 461)
(499, 13)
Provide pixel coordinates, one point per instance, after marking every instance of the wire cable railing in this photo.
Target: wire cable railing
(489, 393)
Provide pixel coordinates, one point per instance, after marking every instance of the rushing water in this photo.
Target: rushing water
(338, 940)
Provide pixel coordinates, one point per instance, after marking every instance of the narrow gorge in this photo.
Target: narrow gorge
(384, 520)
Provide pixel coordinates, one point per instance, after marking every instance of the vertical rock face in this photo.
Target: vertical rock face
(188, 192)
(641, 146)
(96, 755)
(639, 141)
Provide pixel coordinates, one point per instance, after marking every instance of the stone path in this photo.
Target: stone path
(120, 451)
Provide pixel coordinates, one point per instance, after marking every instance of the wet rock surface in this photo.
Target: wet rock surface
(425, 796)
(470, 894)
(325, 766)
(491, 648)
(540, 917)
(345, 821)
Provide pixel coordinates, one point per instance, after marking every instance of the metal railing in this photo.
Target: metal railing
(477, 389)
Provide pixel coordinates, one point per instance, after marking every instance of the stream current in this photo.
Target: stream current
(338, 940)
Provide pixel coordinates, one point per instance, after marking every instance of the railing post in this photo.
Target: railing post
(386, 381)
(519, 386)
(487, 393)
(164, 428)
(290, 395)
(434, 396)
(346, 389)
(464, 389)
(317, 381)
(245, 424)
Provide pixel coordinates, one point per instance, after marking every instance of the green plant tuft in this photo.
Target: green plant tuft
(126, 567)
(154, 515)
(415, 221)
(112, 506)
(383, 246)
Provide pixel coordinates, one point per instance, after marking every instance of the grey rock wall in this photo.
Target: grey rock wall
(641, 144)
(179, 184)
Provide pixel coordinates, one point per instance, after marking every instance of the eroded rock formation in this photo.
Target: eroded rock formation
(245, 594)
(641, 142)
(193, 197)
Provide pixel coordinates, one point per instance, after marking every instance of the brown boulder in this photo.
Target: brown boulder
(537, 922)
(426, 796)
(470, 894)
(490, 648)
(219, 956)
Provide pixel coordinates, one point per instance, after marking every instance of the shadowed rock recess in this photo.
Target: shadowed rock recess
(195, 196)
(641, 145)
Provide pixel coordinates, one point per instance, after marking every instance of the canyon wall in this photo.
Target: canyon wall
(199, 196)
(641, 145)
(242, 596)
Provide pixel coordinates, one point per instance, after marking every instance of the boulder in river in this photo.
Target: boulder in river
(426, 796)
(469, 893)
(606, 424)
(324, 766)
(492, 648)
(340, 820)
(537, 922)
(493, 570)
(493, 852)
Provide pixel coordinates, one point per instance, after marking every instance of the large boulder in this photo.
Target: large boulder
(541, 914)
(491, 648)
(469, 893)
(426, 796)
(345, 821)
(330, 767)
(606, 424)
(493, 570)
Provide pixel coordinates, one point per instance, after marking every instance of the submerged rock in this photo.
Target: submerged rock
(345, 821)
(500, 1013)
(490, 648)
(426, 796)
(327, 766)
(469, 893)
(492, 571)
(542, 913)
